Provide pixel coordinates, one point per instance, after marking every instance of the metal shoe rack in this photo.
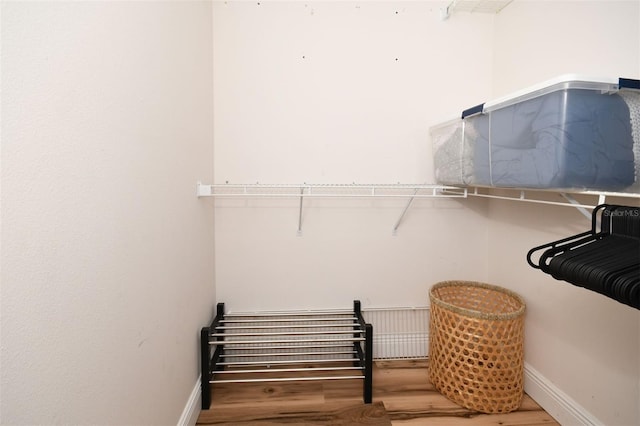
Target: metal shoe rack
(286, 346)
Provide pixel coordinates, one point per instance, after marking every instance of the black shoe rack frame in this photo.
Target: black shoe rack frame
(341, 342)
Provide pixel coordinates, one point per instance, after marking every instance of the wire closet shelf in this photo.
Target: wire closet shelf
(230, 190)
(566, 197)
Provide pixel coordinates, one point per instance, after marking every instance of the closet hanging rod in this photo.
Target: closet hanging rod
(524, 195)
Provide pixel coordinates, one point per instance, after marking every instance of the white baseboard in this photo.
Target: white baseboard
(191, 411)
(558, 404)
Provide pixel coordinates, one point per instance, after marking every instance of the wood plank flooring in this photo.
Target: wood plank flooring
(402, 395)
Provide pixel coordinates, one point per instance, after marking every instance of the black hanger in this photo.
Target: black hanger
(605, 261)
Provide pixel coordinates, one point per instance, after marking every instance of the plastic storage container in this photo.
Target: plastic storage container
(570, 132)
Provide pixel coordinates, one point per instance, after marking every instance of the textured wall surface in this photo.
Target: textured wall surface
(107, 255)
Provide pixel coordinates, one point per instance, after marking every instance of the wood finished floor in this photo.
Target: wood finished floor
(402, 395)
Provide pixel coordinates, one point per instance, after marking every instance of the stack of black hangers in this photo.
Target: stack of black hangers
(607, 262)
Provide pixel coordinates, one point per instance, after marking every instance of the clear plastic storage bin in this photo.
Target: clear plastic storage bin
(570, 132)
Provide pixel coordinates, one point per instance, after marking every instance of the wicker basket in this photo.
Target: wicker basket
(476, 345)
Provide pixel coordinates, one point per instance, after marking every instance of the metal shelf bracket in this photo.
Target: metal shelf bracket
(299, 233)
(577, 205)
(404, 212)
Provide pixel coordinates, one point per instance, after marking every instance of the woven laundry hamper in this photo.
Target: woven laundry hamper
(476, 337)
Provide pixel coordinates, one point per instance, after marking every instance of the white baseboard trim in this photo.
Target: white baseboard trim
(554, 401)
(191, 411)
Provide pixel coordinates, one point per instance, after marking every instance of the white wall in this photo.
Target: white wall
(107, 255)
(585, 344)
(341, 92)
(538, 40)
